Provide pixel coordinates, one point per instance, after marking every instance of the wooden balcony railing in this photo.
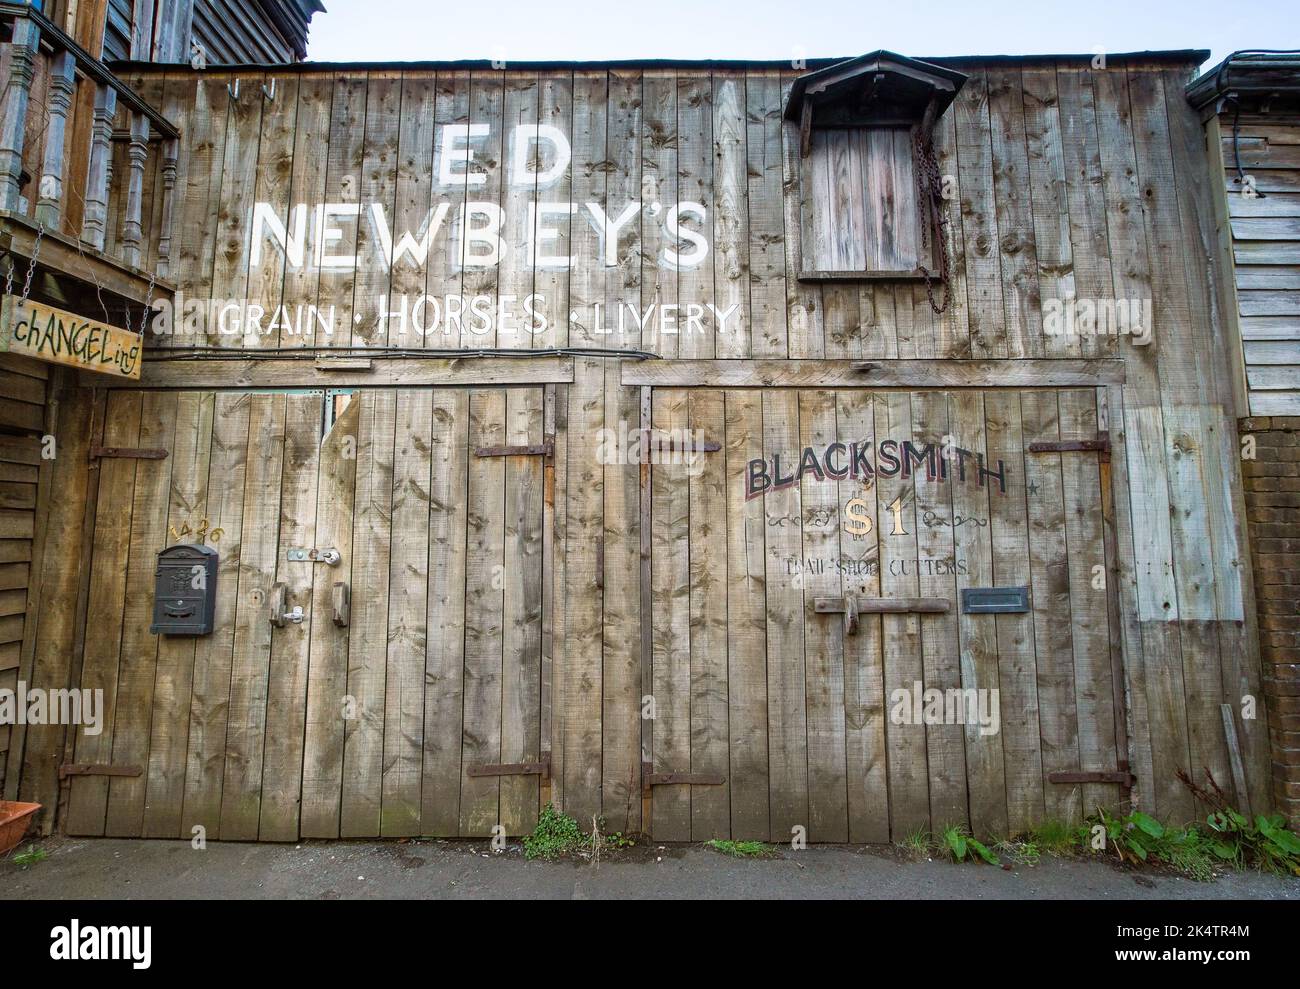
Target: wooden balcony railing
(61, 112)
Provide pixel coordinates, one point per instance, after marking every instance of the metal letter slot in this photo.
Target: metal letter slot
(994, 600)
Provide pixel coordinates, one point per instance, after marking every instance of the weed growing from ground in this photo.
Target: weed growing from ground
(917, 844)
(1019, 851)
(742, 849)
(556, 834)
(31, 856)
(959, 844)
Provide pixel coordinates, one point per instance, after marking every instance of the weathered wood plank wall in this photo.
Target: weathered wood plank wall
(1069, 183)
(24, 388)
(1263, 234)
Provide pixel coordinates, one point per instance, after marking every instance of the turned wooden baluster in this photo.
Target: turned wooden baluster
(132, 225)
(13, 109)
(63, 80)
(170, 151)
(94, 225)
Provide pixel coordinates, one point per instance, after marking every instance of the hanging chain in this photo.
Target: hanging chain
(31, 267)
(148, 305)
(929, 187)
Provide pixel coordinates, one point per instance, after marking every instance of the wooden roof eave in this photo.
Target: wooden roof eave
(926, 87)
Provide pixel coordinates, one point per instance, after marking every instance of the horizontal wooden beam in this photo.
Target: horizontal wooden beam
(384, 372)
(883, 606)
(63, 255)
(902, 374)
(912, 275)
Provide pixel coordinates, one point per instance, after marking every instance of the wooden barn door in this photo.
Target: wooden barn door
(773, 716)
(406, 698)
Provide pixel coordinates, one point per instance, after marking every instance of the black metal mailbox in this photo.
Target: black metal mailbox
(185, 590)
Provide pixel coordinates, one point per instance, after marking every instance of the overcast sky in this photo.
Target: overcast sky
(523, 30)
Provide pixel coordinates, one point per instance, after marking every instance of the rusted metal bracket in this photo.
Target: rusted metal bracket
(650, 778)
(1100, 445)
(674, 446)
(96, 769)
(707, 446)
(542, 769)
(1121, 776)
(134, 452)
(544, 449)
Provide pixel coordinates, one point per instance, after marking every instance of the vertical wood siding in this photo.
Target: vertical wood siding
(1068, 182)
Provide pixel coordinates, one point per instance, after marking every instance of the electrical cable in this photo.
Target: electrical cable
(313, 353)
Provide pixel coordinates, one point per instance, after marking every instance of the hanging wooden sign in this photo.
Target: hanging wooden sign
(60, 337)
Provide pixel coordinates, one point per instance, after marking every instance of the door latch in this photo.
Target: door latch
(329, 556)
(281, 613)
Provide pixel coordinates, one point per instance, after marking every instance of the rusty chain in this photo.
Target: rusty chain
(148, 304)
(929, 187)
(31, 263)
(31, 269)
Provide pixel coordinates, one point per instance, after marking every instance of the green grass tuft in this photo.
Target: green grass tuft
(742, 849)
(917, 844)
(1019, 851)
(1056, 838)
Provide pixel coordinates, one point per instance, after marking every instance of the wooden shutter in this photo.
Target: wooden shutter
(117, 30)
(862, 213)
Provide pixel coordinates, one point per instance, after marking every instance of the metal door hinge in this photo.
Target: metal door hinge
(650, 778)
(545, 449)
(1121, 776)
(97, 769)
(1100, 445)
(125, 452)
(542, 769)
(650, 448)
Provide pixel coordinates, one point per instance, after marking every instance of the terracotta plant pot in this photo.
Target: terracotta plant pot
(15, 818)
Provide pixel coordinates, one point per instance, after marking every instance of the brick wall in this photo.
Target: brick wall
(1272, 485)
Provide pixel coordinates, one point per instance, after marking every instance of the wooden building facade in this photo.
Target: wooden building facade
(1250, 105)
(658, 440)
